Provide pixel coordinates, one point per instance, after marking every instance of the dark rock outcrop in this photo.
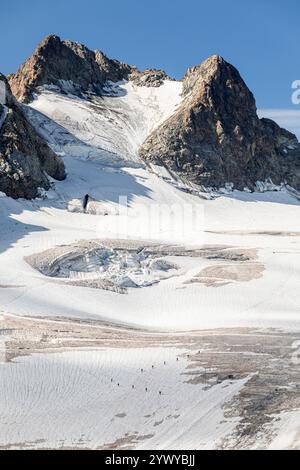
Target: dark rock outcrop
(149, 78)
(25, 157)
(215, 136)
(69, 66)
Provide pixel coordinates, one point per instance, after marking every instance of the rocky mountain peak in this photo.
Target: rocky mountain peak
(208, 69)
(68, 65)
(215, 136)
(72, 67)
(49, 42)
(217, 84)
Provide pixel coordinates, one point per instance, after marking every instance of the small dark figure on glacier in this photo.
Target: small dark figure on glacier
(85, 201)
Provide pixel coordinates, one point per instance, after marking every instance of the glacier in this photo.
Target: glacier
(227, 265)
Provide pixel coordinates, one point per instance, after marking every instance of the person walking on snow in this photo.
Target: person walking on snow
(85, 202)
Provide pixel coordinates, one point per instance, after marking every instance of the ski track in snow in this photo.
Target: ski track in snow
(72, 392)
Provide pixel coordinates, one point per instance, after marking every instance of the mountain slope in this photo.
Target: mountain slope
(210, 136)
(110, 129)
(73, 68)
(69, 66)
(82, 290)
(215, 137)
(25, 157)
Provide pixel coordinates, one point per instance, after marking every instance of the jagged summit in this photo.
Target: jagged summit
(215, 80)
(66, 64)
(215, 136)
(72, 67)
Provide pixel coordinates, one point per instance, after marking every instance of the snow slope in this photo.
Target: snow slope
(287, 432)
(151, 210)
(73, 403)
(247, 277)
(28, 228)
(114, 127)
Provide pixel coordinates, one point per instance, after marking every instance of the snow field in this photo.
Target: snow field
(68, 401)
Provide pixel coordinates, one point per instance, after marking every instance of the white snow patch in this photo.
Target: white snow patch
(116, 125)
(287, 431)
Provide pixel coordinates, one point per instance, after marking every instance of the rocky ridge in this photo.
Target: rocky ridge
(73, 68)
(68, 65)
(215, 136)
(26, 160)
(213, 139)
(149, 78)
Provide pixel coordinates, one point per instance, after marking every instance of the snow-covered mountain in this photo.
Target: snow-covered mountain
(203, 130)
(136, 309)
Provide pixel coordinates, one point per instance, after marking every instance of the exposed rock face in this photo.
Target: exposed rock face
(69, 66)
(149, 78)
(215, 136)
(72, 67)
(25, 157)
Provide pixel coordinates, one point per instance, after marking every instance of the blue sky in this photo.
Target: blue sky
(260, 37)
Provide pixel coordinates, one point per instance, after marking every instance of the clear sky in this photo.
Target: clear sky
(260, 37)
